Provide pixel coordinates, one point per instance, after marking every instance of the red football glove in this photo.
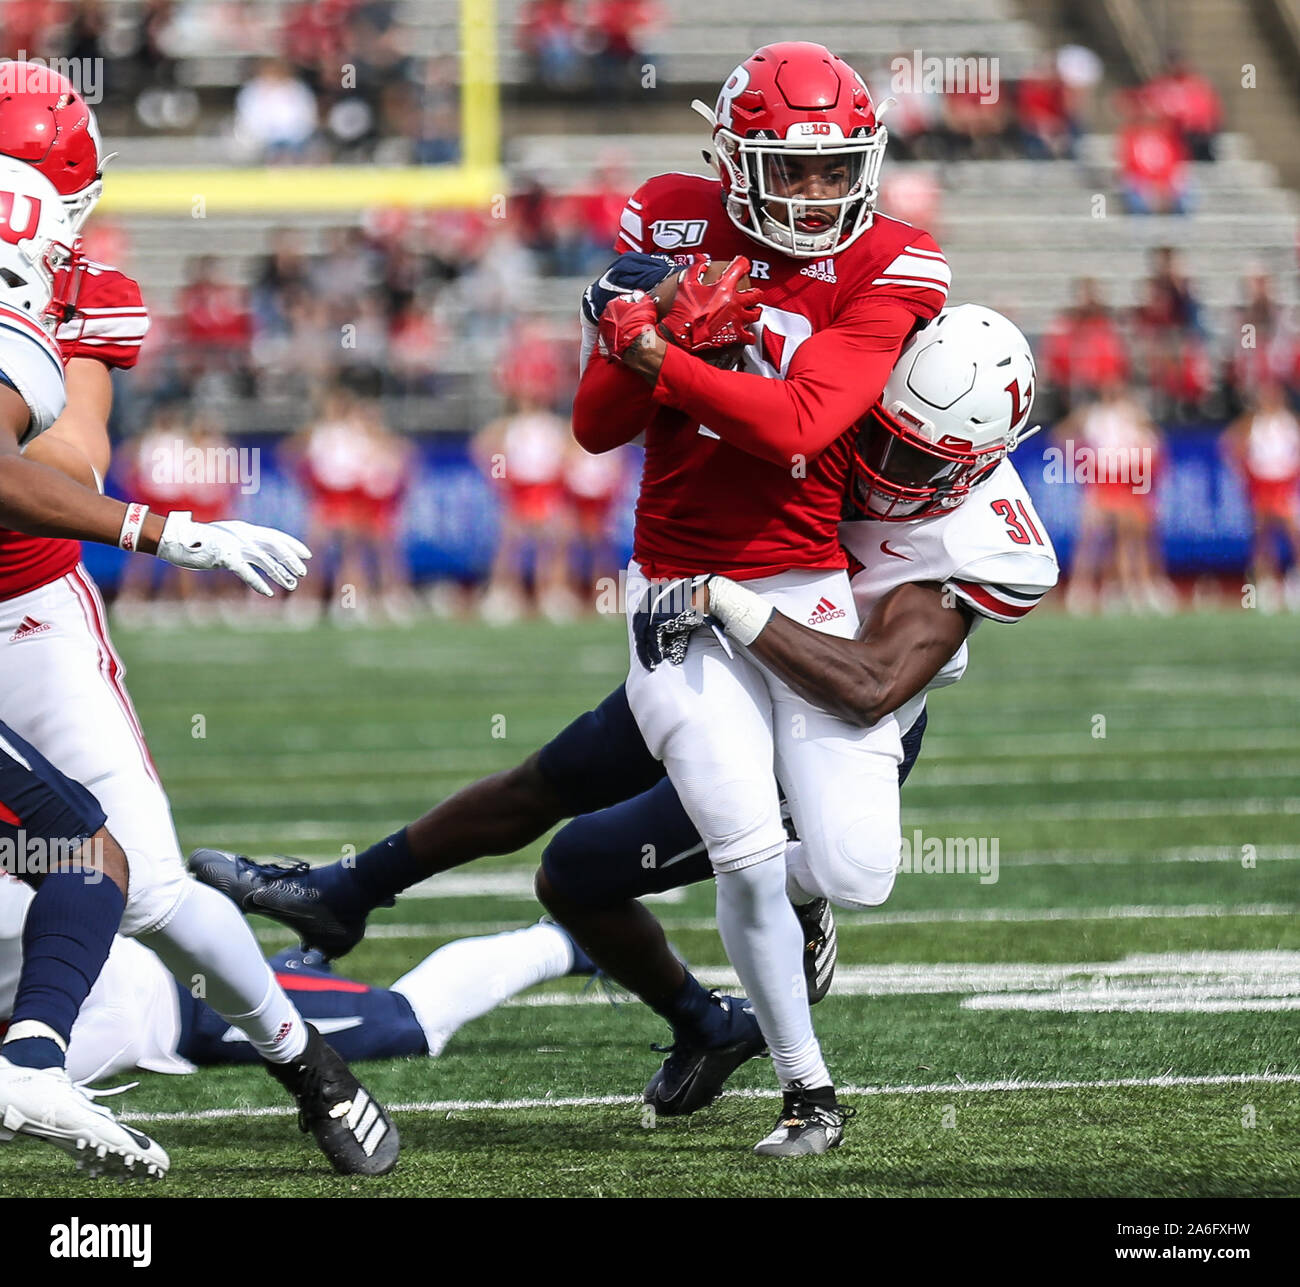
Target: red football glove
(624, 321)
(716, 316)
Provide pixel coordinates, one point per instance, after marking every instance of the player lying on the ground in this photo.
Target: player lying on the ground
(138, 1016)
(62, 691)
(935, 551)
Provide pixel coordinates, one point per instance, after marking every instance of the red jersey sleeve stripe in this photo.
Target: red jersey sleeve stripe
(924, 283)
(988, 599)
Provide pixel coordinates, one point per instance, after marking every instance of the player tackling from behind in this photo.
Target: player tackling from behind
(941, 537)
(61, 684)
(744, 475)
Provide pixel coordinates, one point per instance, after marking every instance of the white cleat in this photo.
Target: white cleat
(805, 1127)
(45, 1104)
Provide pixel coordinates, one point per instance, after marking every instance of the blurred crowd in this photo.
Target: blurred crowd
(1165, 124)
(978, 116)
(322, 80)
(374, 302)
(1163, 346)
(597, 47)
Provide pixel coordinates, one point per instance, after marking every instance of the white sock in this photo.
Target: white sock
(467, 978)
(801, 886)
(762, 937)
(211, 950)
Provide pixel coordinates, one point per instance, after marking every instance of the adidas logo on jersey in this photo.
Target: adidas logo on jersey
(825, 611)
(823, 271)
(28, 627)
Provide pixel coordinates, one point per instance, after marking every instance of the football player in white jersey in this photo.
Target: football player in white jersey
(138, 1016)
(141, 888)
(943, 536)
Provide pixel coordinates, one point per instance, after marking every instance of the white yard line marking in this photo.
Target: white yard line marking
(952, 916)
(1164, 982)
(601, 1101)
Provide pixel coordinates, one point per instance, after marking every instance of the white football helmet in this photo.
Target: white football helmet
(36, 239)
(954, 407)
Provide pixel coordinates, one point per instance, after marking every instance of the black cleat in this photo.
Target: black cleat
(692, 1077)
(820, 947)
(811, 1122)
(279, 890)
(349, 1124)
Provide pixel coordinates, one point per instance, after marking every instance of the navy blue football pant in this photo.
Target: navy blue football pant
(37, 802)
(359, 1021)
(630, 835)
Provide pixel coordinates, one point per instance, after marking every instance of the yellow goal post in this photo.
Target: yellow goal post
(214, 192)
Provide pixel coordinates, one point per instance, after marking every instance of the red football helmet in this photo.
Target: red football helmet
(47, 124)
(787, 106)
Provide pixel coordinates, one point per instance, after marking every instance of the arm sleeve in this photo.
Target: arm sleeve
(833, 379)
(613, 405)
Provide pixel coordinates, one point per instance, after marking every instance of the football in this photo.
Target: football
(728, 358)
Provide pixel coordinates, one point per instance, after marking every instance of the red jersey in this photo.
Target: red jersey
(745, 471)
(109, 325)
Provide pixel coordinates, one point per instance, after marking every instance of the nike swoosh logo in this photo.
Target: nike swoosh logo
(893, 554)
(322, 1026)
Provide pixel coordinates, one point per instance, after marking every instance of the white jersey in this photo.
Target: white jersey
(131, 1019)
(30, 361)
(992, 552)
(1273, 447)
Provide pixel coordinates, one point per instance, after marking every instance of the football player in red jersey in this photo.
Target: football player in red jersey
(61, 683)
(745, 475)
(963, 545)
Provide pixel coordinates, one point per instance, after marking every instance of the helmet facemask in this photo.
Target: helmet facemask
(80, 205)
(762, 175)
(900, 475)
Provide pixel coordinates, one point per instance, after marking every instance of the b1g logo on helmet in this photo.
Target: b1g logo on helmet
(675, 234)
(9, 230)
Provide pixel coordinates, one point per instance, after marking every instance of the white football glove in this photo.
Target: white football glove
(242, 548)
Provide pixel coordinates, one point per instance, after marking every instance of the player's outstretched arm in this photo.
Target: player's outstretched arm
(46, 502)
(911, 633)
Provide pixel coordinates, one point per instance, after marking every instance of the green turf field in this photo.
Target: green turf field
(1116, 1014)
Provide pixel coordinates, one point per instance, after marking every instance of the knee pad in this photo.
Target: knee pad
(864, 866)
(157, 886)
(739, 823)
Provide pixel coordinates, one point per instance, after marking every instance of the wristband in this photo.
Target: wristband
(129, 537)
(741, 611)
